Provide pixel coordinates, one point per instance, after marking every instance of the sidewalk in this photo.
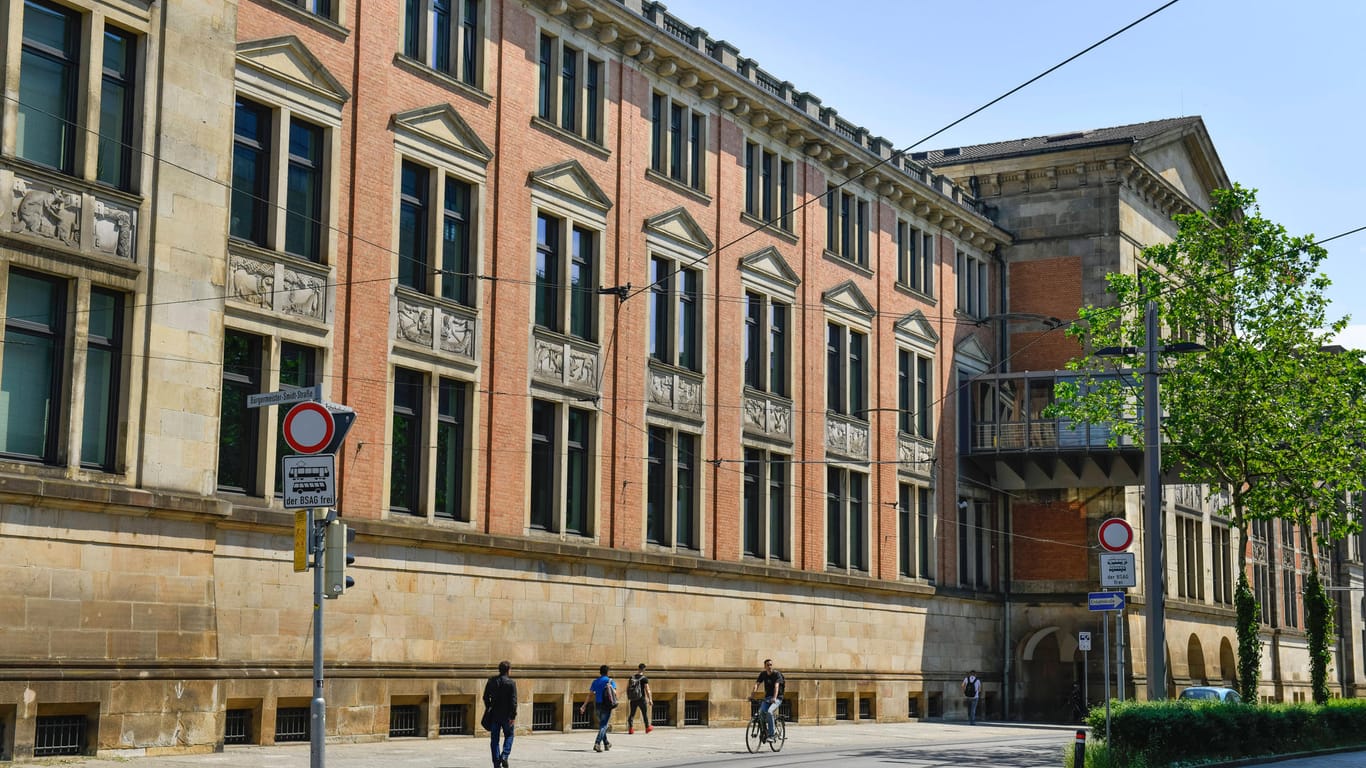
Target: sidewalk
(570, 750)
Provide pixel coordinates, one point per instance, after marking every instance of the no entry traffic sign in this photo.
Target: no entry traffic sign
(1116, 535)
(308, 427)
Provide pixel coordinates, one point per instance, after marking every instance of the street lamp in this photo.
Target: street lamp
(1155, 535)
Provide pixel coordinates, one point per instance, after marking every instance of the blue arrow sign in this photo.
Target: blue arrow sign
(1105, 601)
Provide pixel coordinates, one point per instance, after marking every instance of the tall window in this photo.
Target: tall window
(304, 191)
(103, 366)
(1190, 559)
(766, 344)
(49, 81)
(451, 449)
(846, 519)
(671, 489)
(321, 8)
(914, 393)
(1290, 581)
(35, 331)
(570, 90)
(444, 35)
(414, 269)
(405, 444)
(846, 225)
(675, 294)
(1221, 552)
(913, 531)
(914, 258)
(974, 543)
(566, 283)
(238, 429)
(973, 285)
(846, 371)
(251, 172)
(115, 162)
(766, 532)
(677, 142)
(768, 186)
(561, 468)
(1263, 586)
(298, 368)
(254, 201)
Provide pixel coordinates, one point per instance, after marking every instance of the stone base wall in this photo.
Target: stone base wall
(162, 630)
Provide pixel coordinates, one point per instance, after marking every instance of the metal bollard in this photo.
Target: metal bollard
(1079, 752)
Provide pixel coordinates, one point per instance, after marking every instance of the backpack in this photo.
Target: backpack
(609, 695)
(634, 690)
(970, 688)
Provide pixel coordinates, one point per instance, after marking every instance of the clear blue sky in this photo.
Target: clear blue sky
(1281, 85)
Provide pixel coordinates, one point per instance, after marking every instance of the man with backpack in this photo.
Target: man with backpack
(972, 690)
(638, 694)
(603, 693)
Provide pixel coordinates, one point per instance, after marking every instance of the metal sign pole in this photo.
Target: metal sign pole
(1119, 635)
(318, 707)
(1107, 677)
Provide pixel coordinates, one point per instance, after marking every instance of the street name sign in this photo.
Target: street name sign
(309, 481)
(1117, 570)
(285, 396)
(1105, 601)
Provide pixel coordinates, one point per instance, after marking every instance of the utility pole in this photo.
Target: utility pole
(1154, 535)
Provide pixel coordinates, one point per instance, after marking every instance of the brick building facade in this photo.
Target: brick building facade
(655, 358)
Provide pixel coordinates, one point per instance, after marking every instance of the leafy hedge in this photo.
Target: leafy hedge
(1168, 732)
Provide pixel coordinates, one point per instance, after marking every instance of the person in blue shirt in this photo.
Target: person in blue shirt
(598, 694)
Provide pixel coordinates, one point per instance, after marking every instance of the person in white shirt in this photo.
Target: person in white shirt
(972, 691)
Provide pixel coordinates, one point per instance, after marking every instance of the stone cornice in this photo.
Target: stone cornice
(664, 47)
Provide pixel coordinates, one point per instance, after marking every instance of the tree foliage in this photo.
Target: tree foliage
(1267, 416)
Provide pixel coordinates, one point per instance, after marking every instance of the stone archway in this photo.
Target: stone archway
(1228, 664)
(1195, 662)
(1046, 675)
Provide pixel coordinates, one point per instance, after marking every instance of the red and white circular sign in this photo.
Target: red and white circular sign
(1116, 535)
(308, 427)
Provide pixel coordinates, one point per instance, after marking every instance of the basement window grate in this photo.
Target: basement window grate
(695, 712)
(403, 720)
(453, 720)
(292, 724)
(543, 716)
(59, 735)
(237, 730)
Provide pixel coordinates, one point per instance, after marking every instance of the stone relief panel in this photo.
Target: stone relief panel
(303, 295)
(115, 229)
(846, 437)
(565, 362)
(414, 324)
(251, 281)
(441, 329)
(45, 210)
(769, 416)
(915, 455)
(676, 392)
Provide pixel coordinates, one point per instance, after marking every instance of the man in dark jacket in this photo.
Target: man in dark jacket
(500, 712)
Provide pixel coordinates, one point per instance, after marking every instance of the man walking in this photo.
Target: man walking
(500, 713)
(638, 694)
(972, 689)
(603, 693)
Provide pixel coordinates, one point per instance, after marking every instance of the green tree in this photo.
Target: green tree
(1264, 417)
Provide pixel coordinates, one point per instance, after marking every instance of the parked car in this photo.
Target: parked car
(1211, 693)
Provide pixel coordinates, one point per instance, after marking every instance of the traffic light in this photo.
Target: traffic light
(336, 559)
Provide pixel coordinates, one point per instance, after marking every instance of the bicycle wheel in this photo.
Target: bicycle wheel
(779, 735)
(752, 734)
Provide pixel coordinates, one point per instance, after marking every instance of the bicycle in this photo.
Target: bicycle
(755, 731)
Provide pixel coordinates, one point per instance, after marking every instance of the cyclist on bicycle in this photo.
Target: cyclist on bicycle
(774, 684)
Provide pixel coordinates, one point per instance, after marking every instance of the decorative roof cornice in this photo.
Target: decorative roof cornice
(663, 46)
